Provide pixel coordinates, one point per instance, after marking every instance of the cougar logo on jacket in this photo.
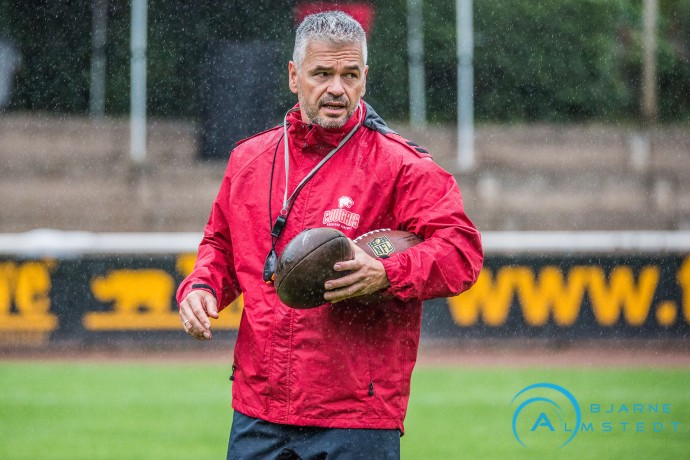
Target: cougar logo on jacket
(345, 202)
(341, 217)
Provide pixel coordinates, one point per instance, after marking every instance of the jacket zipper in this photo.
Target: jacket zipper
(371, 388)
(232, 376)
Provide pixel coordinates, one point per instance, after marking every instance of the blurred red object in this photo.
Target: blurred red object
(362, 12)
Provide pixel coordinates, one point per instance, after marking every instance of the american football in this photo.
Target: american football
(306, 264)
(385, 242)
(381, 244)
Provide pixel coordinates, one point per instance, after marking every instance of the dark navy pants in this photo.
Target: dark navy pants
(254, 439)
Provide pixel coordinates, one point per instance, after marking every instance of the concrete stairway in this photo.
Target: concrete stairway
(573, 177)
(73, 173)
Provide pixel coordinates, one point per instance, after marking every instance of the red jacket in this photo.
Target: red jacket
(343, 366)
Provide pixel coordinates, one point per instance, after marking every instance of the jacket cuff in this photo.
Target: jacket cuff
(185, 288)
(392, 267)
(205, 287)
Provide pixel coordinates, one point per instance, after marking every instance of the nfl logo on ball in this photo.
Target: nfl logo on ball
(381, 246)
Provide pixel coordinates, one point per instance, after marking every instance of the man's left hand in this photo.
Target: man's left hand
(367, 277)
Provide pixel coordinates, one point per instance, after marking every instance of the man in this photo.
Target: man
(333, 381)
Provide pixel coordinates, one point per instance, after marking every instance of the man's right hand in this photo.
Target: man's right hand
(195, 311)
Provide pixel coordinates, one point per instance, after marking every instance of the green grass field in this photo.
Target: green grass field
(174, 411)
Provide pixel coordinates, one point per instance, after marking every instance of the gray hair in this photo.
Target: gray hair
(333, 27)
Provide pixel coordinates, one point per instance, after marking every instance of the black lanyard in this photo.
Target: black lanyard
(279, 224)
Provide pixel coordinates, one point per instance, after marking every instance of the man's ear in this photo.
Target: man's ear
(292, 76)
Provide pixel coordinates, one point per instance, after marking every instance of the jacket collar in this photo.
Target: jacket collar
(373, 120)
(311, 138)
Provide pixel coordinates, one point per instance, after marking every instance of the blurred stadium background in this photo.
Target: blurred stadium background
(113, 143)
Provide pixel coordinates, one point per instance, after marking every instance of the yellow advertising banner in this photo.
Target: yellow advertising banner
(43, 300)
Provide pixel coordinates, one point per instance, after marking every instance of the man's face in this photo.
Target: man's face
(330, 83)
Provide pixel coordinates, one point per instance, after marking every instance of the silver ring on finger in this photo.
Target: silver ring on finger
(186, 323)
